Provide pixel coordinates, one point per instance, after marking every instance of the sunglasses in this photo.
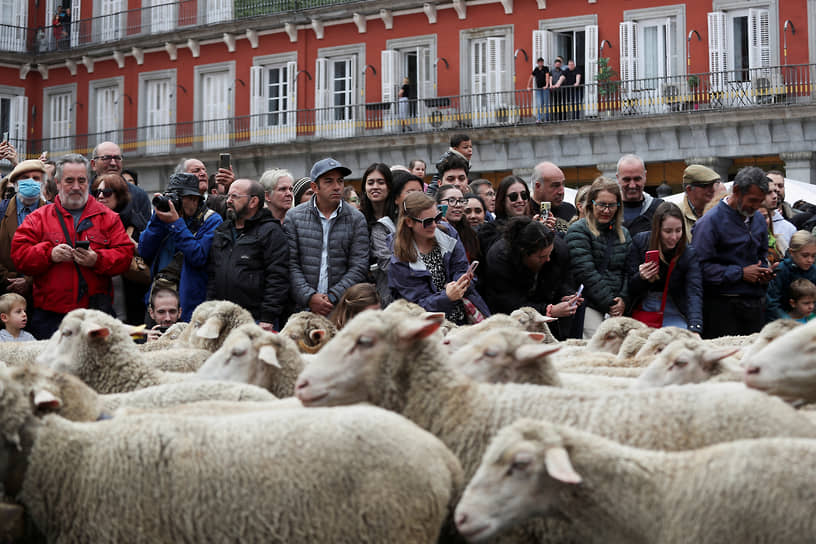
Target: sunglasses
(428, 221)
(106, 192)
(515, 196)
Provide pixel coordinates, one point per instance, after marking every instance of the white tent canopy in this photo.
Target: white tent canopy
(794, 190)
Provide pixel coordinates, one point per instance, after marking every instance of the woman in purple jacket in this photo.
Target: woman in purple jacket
(429, 266)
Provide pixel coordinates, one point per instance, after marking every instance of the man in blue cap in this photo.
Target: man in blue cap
(328, 242)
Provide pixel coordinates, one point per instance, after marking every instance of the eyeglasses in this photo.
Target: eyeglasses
(515, 196)
(108, 158)
(490, 193)
(106, 192)
(354, 199)
(428, 221)
(701, 185)
(233, 196)
(605, 205)
(454, 201)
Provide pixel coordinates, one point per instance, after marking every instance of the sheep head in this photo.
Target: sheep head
(685, 361)
(507, 355)
(79, 330)
(211, 323)
(610, 334)
(785, 367)
(660, 338)
(521, 475)
(368, 361)
(309, 331)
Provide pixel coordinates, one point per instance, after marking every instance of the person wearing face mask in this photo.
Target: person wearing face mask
(647, 278)
(27, 199)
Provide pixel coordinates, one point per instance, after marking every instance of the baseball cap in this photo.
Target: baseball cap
(328, 164)
(699, 175)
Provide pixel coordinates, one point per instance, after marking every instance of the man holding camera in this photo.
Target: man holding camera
(180, 232)
(71, 249)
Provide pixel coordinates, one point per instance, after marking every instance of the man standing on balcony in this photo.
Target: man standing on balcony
(107, 159)
(698, 186)
(557, 78)
(328, 242)
(638, 205)
(539, 81)
(571, 87)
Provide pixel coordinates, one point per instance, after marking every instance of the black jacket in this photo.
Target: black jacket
(251, 268)
(685, 284)
(509, 284)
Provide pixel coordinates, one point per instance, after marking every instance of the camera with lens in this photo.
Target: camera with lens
(162, 202)
(180, 185)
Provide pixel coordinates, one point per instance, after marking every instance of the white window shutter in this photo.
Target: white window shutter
(357, 83)
(75, 11)
(672, 68)
(590, 80)
(291, 95)
(18, 124)
(322, 91)
(494, 66)
(541, 46)
(425, 74)
(478, 66)
(717, 49)
(388, 69)
(257, 102)
(629, 53)
(759, 46)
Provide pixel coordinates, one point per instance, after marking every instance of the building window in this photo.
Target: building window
(274, 98)
(14, 117)
(59, 118)
(338, 90)
(411, 58)
(157, 110)
(162, 16)
(213, 104)
(109, 21)
(105, 111)
(216, 11)
(13, 31)
(63, 12)
(487, 75)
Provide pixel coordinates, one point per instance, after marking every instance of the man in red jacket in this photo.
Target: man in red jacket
(71, 248)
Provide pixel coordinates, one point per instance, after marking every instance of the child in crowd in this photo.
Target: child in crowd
(13, 316)
(802, 299)
(797, 264)
(358, 297)
(461, 146)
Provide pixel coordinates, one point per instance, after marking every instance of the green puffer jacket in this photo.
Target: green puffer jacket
(587, 254)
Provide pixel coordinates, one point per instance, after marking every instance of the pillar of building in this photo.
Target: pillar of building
(608, 170)
(720, 165)
(800, 166)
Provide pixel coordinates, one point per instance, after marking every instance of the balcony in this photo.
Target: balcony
(147, 21)
(613, 100)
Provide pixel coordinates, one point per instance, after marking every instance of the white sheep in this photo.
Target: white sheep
(211, 323)
(611, 332)
(690, 361)
(633, 341)
(532, 320)
(167, 339)
(600, 370)
(413, 309)
(71, 398)
(786, 366)
(770, 332)
(15, 353)
(309, 331)
(744, 491)
(510, 355)
(659, 339)
(294, 476)
(394, 363)
(255, 356)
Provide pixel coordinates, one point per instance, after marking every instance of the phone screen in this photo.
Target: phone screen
(652, 256)
(224, 161)
(473, 266)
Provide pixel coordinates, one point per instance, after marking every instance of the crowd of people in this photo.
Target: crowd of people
(83, 234)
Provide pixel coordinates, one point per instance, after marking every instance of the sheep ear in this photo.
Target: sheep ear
(532, 352)
(713, 356)
(268, 355)
(559, 467)
(540, 318)
(210, 329)
(417, 329)
(46, 400)
(94, 330)
(536, 336)
(317, 335)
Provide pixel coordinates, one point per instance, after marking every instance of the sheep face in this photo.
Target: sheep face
(611, 333)
(531, 319)
(16, 407)
(787, 366)
(521, 475)
(682, 362)
(78, 328)
(243, 349)
(360, 363)
(660, 338)
(505, 356)
(211, 323)
(771, 332)
(309, 331)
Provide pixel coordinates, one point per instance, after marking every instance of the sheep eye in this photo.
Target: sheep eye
(680, 364)
(67, 332)
(365, 341)
(238, 352)
(491, 353)
(516, 466)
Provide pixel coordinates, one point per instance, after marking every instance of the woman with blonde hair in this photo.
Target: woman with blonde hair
(599, 244)
(358, 297)
(429, 267)
(797, 264)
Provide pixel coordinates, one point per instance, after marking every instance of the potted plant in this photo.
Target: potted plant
(608, 85)
(693, 85)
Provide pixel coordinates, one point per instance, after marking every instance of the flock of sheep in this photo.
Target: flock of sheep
(402, 427)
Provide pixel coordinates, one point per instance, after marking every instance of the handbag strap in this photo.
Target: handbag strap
(82, 288)
(666, 287)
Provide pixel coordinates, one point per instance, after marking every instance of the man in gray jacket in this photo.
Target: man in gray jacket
(328, 242)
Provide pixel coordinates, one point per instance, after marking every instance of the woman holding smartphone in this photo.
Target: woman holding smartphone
(429, 267)
(651, 255)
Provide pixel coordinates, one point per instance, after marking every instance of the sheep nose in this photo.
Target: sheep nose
(752, 370)
(302, 383)
(460, 519)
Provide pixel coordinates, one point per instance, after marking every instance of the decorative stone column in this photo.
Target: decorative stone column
(608, 170)
(718, 164)
(800, 166)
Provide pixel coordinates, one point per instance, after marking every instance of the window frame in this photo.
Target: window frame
(48, 94)
(95, 86)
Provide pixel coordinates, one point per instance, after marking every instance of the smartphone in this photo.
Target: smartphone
(580, 290)
(83, 244)
(45, 155)
(224, 161)
(472, 267)
(653, 256)
(443, 209)
(5, 136)
(544, 210)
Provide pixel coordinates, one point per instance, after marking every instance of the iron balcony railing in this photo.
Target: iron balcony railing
(157, 19)
(681, 95)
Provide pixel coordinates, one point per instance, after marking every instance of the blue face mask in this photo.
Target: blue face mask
(28, 188)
